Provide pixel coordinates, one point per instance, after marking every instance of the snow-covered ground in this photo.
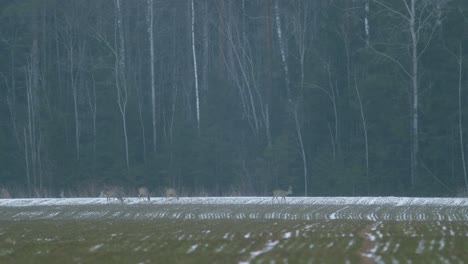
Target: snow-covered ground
(392, 201)
(294, 208)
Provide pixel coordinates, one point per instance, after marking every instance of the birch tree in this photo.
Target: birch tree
(459, 58)
(150, 23)
(120, 74)
(460, 125)
(419, 22)
(242, 71)
(195, 71)
(92, 103)
(282, 45)
(300, 20)
(366, 21)
(206, 43)
(75, 55)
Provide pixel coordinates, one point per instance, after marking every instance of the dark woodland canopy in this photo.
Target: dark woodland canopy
(332, 97)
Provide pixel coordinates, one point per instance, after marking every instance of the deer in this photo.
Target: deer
(4, 193)
(171, 193)
(112, 193)
(143, 193)
(281, 193)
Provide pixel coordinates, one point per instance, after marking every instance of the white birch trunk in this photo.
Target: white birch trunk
(366, 21)
(150, 19)
(364, 127)
(26, 158)
(93, 108)
(418, 19)
(205, 46)
(303, 154)
(195, 67)
(282, 45)
(414, 82)
(75, 98)
(121, 84)
(32, 80)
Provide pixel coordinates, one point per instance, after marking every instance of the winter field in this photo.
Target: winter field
(235, 230)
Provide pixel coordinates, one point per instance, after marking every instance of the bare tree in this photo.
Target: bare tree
(332, 94)
(195, 71)
(149, 21)
(300, 21)
(366, 21)
(417, 16)
(92, 103)
(74, 67)
(301, 142)
(33, 136)
(459, 58)
(241, 68)
(462, 146)
(120, 74)
(206, 43)
(364, 127)
(282, 45)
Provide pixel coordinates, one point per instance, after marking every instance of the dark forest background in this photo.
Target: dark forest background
(234, 97)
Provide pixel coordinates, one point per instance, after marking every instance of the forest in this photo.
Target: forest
(234, 97)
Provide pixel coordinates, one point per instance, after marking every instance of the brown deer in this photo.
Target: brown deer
(170, 193)
(143, 193)
(113, 192)
(4, 193)
(281, 193)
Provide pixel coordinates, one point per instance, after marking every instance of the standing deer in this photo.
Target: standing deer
(112, 193)
(4, 193)
(281, 193)
(171, 193)
(143, 193)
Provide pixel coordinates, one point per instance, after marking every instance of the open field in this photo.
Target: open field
(235, 230)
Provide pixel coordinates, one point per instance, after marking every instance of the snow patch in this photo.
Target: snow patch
(287, 235)
(268, 246)
(95, 248)
(192, 249)
(395, 201)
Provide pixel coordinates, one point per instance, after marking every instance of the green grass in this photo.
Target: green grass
(68, 237)
(170, 241)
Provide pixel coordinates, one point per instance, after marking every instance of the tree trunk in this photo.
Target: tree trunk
(205, 45)
(414, 82)
(366, 22)
(460, 126)
(153, 90)
(299, 136)
(195, 67)
(92, 107)
(120, 76)
(282, 45)
(269, 77)
(364, 127)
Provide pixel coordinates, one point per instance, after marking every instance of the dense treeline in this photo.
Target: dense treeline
(234, 97)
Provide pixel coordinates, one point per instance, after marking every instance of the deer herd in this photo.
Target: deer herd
(112, 193)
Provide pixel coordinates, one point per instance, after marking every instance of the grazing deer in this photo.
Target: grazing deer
(170, 193)
(281, 193)
(4, 193)
(143, 193)
(112, 193)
